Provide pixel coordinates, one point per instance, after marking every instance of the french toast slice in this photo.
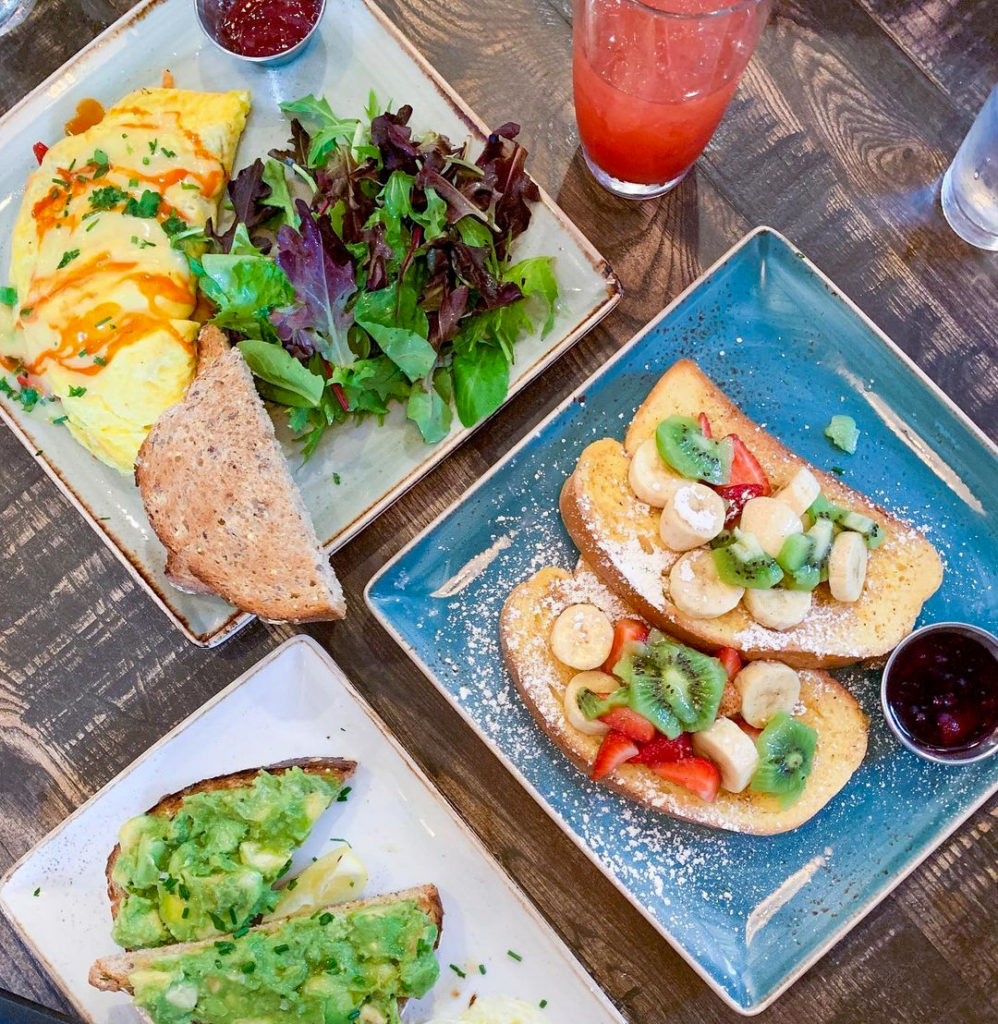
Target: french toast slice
(618, 536)
(525, 628)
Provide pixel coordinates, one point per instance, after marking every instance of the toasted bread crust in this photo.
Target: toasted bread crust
(525, 628)
(220, 496)
(330, 767)
(618, 536)
(111, 973)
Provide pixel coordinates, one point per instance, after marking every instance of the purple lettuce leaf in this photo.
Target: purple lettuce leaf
(393, 137)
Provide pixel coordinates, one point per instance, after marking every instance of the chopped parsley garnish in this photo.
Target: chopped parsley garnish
(83, 352)
(174, 225)
(133, 182)
(282, 948)
(336, 479)
(67, 257)
(8, 296)
(325, 918)
(101, 162)
(27, 310)
(107, 197)
(76, 392)
(147, 206)
(457, 970)
(515, 956)
(146, 161)
(542, 1003)
(28, 397)
(6, 389)
(225, 947)
(344, 793)
(481, 968)
(60, 419)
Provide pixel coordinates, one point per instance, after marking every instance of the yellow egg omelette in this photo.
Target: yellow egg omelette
(102, 315)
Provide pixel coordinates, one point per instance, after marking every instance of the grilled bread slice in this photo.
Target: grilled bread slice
(525, 629)
(335, 769)
(112, 973)
(618, 536)
(220, 496)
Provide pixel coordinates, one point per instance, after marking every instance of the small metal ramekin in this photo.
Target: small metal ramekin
(980, 750)
(209, 15)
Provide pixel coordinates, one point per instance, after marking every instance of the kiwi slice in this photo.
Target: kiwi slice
(804, 555)
(676, 688)
(871, 532)
(593, 705)
(743, 563)
(786, 755)
(683, 445)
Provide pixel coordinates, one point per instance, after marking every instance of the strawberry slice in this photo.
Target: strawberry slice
(735, 497)
(625, 633)
(700, 776)
(704, 425)
(630, 723)
(662, 750)
(615, 749)
(745, 468)
(731, 660)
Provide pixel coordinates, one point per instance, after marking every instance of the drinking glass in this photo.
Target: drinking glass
(652, 79)
(970, 185)
(13, 12)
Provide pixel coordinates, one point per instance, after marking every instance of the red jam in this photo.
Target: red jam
(263, 28)
(943, 687)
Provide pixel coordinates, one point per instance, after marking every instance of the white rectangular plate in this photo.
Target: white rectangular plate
(356, 49)
(297, 703)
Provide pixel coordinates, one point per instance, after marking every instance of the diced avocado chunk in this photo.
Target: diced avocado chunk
(843, 433)
(211, 868)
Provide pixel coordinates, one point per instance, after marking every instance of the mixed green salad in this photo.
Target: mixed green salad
(365, 265)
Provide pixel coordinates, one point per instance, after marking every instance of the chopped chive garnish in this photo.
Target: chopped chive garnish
(91, 225)
(292, 885)
(542, 1003)
(100, 360)
(185, 893)
(191, 186)
(67, 257)
(515, 956)
(225, 947)
(27, 311)
(187, 910)
(353, 1014)
(100, 323)
(168, 153)
(37, 891)
(232, 915)
(344, 793)
(481, 968)
(60, 419)
(76, 392)
(325, 918)
(457, 970)
(282, 948)
(240, 932)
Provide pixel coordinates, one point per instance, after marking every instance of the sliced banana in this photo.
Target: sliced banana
(582, 636)
(650, 478)
(598, 682)
(770, 522)
(847, 566)
(697, 590)
(799, 495)
(778, 608)
(731, 750)
(767, 687)
(692, 516)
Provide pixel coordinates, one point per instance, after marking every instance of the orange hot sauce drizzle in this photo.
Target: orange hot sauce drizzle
(88, 113)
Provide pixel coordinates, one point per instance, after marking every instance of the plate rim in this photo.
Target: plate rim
(237, 620)
(330, 664)
(750, 1009)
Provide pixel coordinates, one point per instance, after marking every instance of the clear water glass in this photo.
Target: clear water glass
(970, 185)
(13, 12)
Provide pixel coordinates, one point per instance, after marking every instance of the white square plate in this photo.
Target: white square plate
(356, 49)
(297, 703)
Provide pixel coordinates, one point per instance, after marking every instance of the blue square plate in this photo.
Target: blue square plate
(750, 914)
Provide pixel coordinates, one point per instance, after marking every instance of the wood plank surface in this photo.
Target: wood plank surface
(837, 137)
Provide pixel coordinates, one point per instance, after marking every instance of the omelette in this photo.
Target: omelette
(102, 314)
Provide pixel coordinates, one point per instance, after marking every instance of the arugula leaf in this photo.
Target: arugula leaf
(428, 409)
(332, 130)
(244, 288)
(274, 365)
(280, 194)
(474, 233)
(535, 276)
(398, 324)
(433, 218)
(481, 382)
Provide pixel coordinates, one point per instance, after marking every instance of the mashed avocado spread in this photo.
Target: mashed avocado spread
(323, 969)
(211, 867)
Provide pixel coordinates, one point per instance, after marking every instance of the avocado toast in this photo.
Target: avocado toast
(350, 962)
(688, 518)
(204, 861)
(687, 773)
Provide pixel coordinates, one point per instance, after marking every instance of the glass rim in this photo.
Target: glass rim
(714, 12)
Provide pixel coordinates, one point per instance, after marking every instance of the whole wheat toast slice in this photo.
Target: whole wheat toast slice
(525, 630)
(618, 536)
(333, 768)
(220, 496)
(111, 973)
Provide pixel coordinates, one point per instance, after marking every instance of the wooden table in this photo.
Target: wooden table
(838, 137)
